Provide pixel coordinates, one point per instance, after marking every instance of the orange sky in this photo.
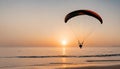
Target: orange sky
(41, 23)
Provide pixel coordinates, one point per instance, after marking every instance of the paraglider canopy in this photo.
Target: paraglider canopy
(83, 12)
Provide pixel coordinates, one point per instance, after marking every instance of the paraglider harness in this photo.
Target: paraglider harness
(80, 44)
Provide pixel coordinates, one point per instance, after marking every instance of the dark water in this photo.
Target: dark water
(54, 57)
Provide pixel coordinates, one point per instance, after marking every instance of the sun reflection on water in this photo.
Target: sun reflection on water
(64, 51)
(64, 59)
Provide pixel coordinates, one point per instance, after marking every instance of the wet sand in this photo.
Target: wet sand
(94, 67)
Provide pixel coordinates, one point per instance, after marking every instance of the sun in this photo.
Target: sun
(64, 42)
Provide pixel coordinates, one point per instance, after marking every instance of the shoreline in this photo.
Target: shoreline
(94, 67)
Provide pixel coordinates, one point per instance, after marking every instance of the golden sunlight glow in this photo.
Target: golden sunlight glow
(64, 42)
(63, 50)
(64, 61)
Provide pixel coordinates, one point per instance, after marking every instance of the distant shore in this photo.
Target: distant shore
(94, 67)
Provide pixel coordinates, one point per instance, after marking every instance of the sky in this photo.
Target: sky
(41, 22)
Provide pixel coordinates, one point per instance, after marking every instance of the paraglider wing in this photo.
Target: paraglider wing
(83, 12)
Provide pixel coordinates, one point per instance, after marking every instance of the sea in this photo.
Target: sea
(58, 57)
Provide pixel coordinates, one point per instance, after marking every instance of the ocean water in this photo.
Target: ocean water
(57, 57)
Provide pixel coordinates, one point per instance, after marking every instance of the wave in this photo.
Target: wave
(57, 63)
(64, 56)
(47, 64)
(103, 61)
